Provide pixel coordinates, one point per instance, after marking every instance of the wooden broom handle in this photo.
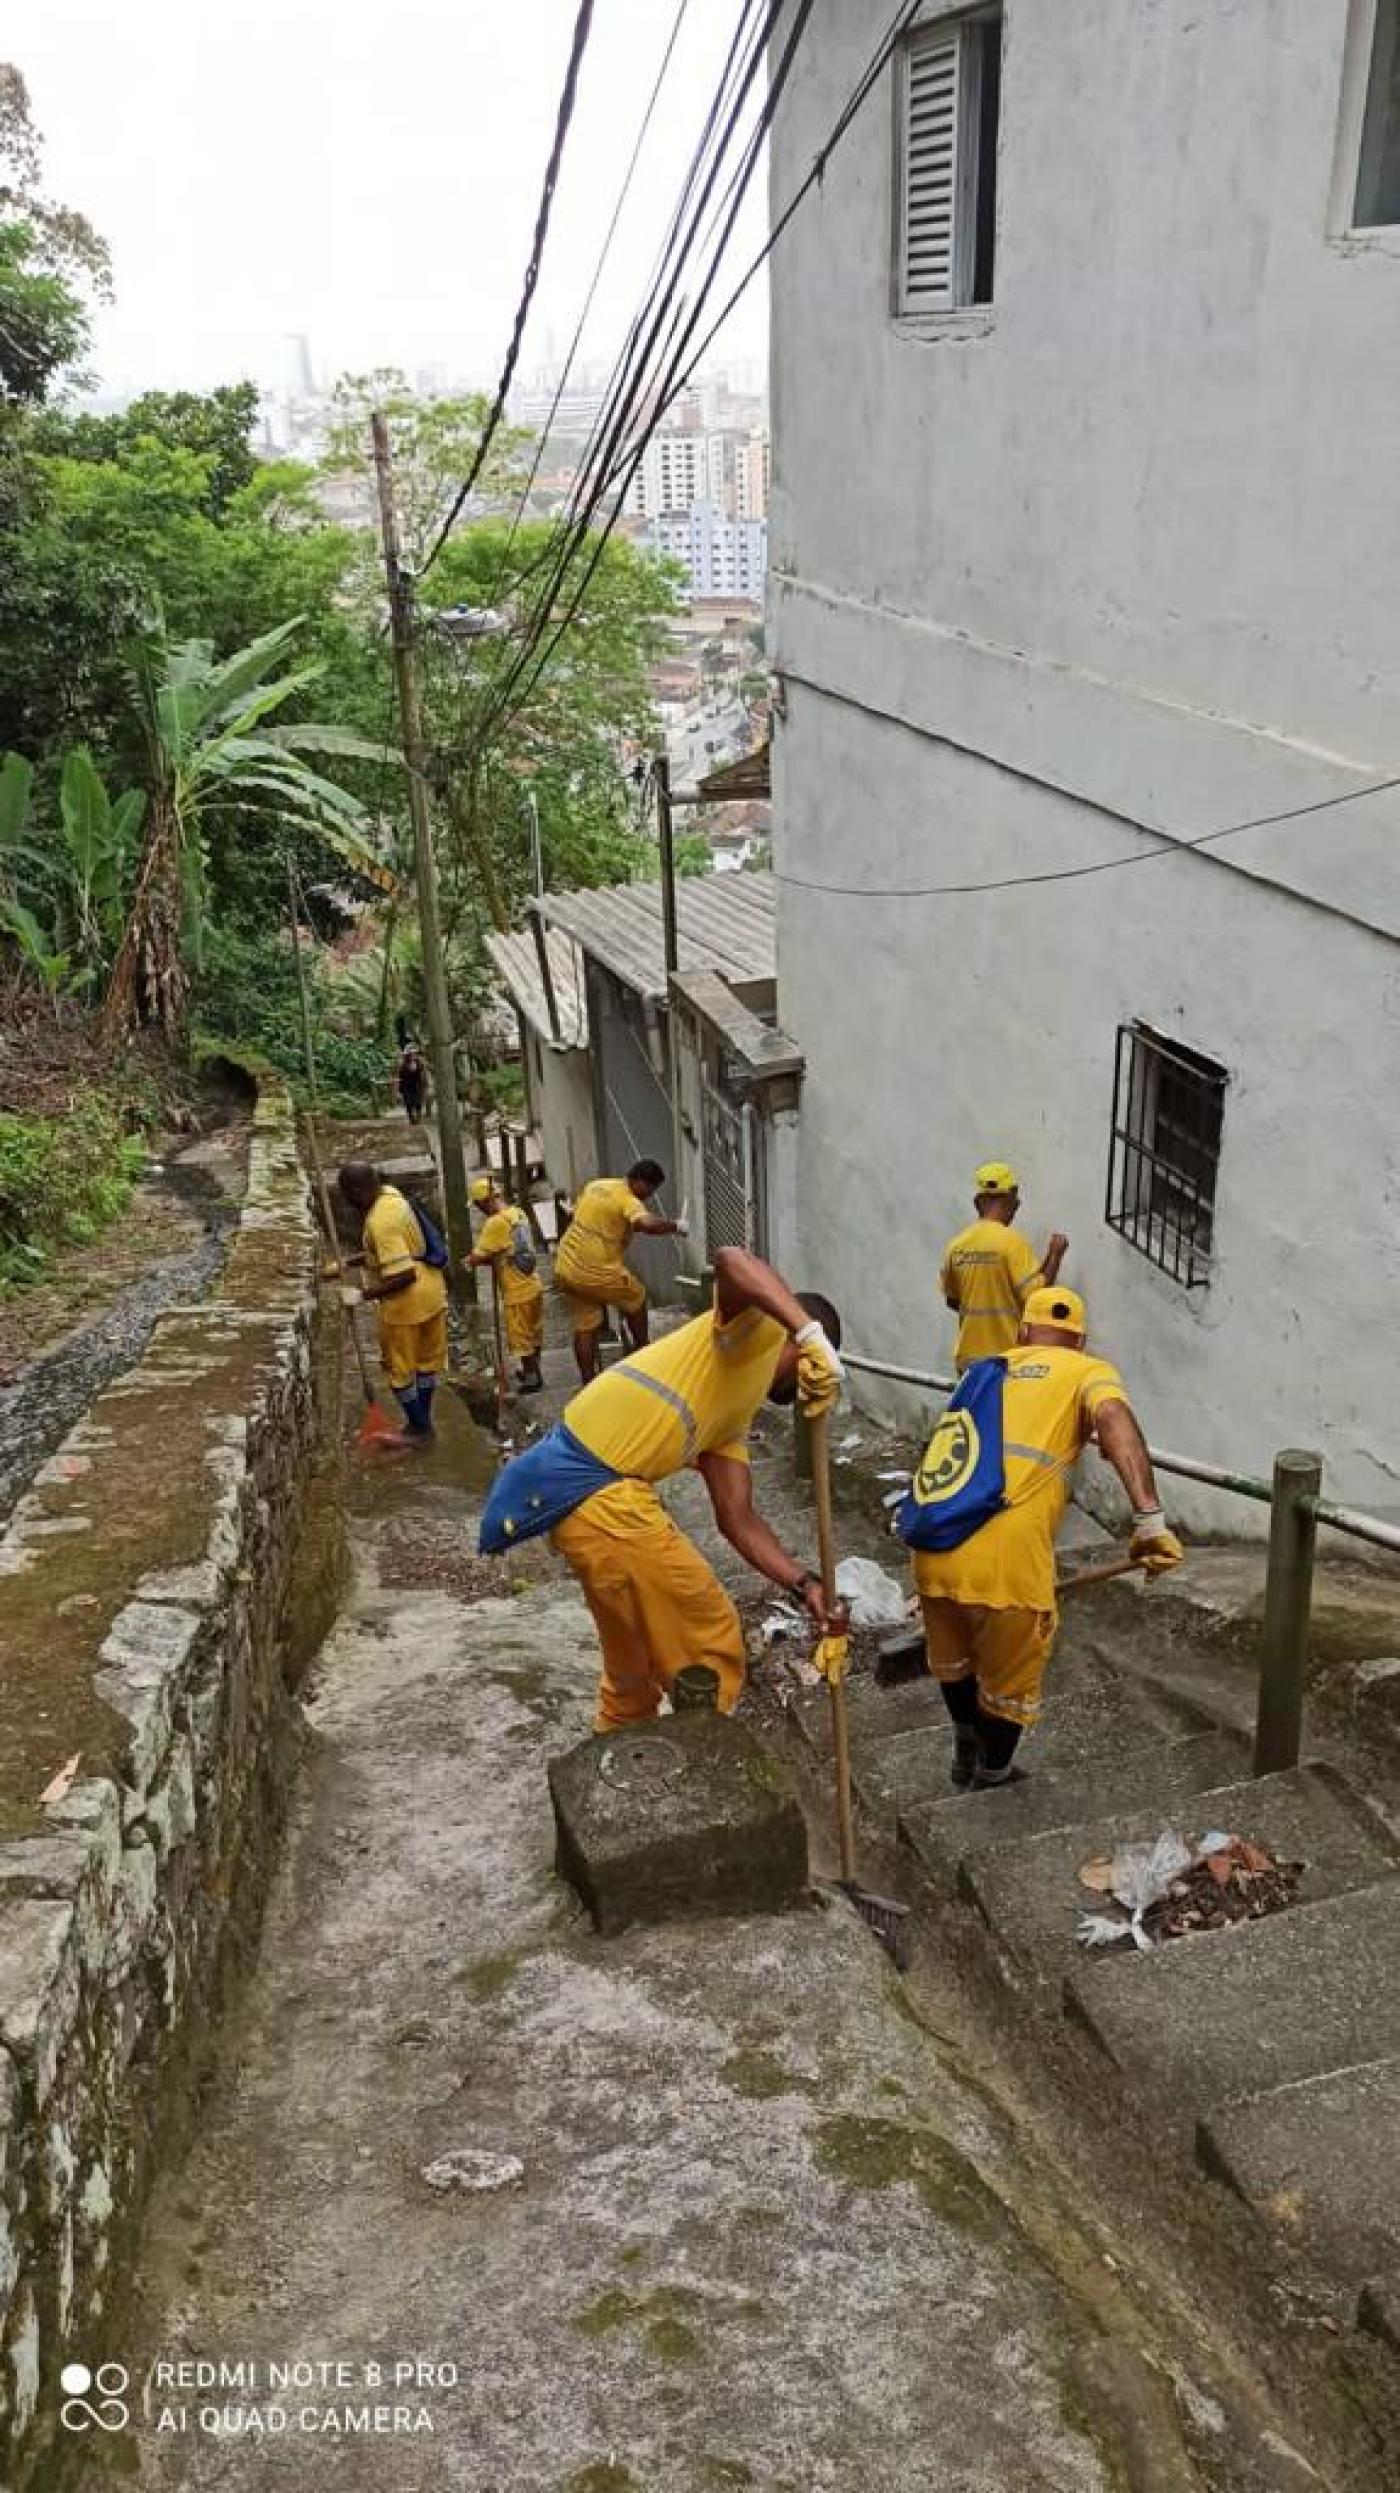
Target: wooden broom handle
(836, 1688)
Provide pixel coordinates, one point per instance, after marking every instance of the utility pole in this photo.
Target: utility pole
(449, 1122)
(670, 940)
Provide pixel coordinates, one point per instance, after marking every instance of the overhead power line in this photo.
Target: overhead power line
(583, 25)
(1171, 846)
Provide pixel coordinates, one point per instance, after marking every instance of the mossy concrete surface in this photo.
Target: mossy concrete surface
(751, 2244)
(144, 1584)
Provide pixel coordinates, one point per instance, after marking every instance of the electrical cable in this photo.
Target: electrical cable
(515, 679)
(1171, 847)
(583, 25)
(594, 282)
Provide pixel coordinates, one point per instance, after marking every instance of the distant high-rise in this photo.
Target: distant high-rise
(301, 380)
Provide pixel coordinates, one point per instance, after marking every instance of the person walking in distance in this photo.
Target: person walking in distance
(589, 1263)
(412, 1079)
(990, 1269)
(982, 1515)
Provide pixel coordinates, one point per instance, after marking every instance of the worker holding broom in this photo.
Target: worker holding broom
(589, 1261)
(407, 1287)
(982, 1514)
(505, 1245)
(591, 1483)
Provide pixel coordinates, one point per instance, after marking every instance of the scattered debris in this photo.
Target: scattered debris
(62, 1783)
(1169, 1888)
(849, 1443)
(472, 2169)
(875, 1599)
(779, 1623)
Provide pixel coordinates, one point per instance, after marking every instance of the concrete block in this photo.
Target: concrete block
(1320, 2159)
(1030, 1895)
(944, 1832)
(1235, 2011)
(686, 1815)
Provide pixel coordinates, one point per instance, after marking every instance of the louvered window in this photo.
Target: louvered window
(948, 102)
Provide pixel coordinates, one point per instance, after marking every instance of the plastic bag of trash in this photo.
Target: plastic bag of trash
(1142, 1874)
(875, 1599)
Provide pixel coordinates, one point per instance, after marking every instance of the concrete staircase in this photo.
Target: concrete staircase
(1276, 2043)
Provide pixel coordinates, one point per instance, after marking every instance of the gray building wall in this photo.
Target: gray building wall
(1064, 583)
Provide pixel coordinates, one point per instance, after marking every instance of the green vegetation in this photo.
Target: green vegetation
(759, 2076)
(195, 683)
(870, 2154)
(61, 1180)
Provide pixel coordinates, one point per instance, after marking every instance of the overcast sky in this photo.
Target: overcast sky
(367, 175)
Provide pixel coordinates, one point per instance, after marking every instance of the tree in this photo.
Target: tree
(51, 261)
(434, 442)
(209, 756)
(216, 425)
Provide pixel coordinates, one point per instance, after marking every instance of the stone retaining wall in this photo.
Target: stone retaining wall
(143, 1601)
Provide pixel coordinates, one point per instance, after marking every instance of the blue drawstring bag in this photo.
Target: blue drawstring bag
(961, 1482)
(434, 1253)
(538, 1489)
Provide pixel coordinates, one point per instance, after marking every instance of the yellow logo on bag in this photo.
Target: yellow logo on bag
(950, 1458)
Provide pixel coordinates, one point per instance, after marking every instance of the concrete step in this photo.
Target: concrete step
(1321, 2159)
(944, 1832)
(1091, 1715)
(1209, 2019)
(872, 1712)
(1029, 1893)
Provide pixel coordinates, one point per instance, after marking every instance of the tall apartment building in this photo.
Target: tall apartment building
(723, 557)
(683, 467)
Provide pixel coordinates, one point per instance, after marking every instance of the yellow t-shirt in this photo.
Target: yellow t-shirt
(1051, 1398)
(496, 1238)
(393, 1242)
(605, 1216)
(990, 1271)
(694, 1392)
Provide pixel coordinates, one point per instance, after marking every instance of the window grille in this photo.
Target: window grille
(1168, 1108)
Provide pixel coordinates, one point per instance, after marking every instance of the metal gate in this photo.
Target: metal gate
(733, 1205)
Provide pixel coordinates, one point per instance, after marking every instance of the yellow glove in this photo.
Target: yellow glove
(820, 1375)
(832, 1656)
(1155, 1548)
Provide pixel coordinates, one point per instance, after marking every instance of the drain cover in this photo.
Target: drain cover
(640, 1765)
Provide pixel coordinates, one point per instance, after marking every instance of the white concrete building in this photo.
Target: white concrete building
(722, 557)
(1086, 552)
(681, 468)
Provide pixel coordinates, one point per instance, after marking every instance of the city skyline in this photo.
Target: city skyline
(380, 212)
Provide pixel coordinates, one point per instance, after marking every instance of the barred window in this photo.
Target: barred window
(1168, 1108)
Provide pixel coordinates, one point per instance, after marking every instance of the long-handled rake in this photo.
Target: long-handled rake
(882, 1914)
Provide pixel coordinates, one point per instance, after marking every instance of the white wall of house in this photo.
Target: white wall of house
(1119, 549)
(561, 1089)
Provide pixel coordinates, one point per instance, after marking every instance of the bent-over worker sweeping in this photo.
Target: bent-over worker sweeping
(688, 1399)
(589, 1265)
(982, 1514)
(505, 1245)
(408, 1292)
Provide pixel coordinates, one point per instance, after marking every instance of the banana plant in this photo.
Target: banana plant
(209, 750)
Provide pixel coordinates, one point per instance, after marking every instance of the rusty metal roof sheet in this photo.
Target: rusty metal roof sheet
(518, 965)
(724, 922)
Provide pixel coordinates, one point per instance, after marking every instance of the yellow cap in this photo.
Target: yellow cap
(995, 1178)
(1064, 1308)
(483, 1189)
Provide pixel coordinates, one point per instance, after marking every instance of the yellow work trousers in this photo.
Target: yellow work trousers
(656, 1603)
(413, 1353)
(610, 1286)
(524, 1321)
(1006, 1651)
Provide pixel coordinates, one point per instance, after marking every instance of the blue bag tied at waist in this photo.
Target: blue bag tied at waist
(538, 1489)
(961, 1482)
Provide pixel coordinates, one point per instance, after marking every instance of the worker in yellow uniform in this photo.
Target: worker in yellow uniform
(688, 1399)
(407, 1286)
(589, 1265)
(990, 1269)
(505, 1244)
(988, 1601)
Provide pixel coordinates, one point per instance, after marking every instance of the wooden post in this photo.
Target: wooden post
(449, 1121)
(801, 1444)
(1287, 1611)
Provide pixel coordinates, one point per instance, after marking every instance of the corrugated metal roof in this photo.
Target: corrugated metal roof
(735, 782)
(723, 922)
(518, 963)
